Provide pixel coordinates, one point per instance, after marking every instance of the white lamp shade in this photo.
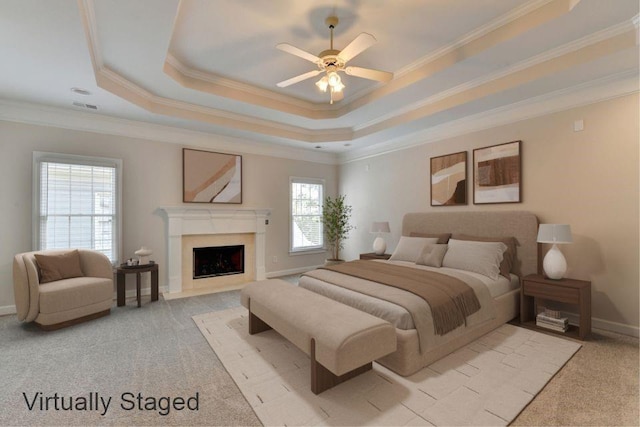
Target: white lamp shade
(554, 233)
(380, 227)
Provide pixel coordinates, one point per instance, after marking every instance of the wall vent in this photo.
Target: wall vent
(88, 106)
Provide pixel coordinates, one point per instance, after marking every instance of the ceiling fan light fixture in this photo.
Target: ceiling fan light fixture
(337, 87)
(323, 83)
(334, 79)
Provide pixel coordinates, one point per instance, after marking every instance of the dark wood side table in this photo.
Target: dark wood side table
(121, 273)
(536, 289)
(372, 255)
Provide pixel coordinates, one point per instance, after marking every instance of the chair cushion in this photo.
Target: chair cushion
(67, 294)
(59, 266)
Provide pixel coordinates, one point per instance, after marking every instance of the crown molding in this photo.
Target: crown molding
(498, 22)
(598, 90)
(217, 85)
(505, 27)
(41, 115)
(566, 49)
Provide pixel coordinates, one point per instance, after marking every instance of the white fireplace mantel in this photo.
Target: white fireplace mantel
(196, 220)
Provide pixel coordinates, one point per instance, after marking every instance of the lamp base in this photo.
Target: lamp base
(554, 264)
(379, 246)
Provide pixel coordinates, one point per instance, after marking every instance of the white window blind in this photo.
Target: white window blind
(306, 214)
(78, 203)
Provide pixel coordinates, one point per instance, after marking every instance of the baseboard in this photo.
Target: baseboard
(299, 270)
(607, 325)
(7, 309)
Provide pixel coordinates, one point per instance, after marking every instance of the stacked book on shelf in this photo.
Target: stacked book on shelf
(550, 319)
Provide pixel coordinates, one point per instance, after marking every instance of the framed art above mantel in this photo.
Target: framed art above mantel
(209, 177)
(497, 174)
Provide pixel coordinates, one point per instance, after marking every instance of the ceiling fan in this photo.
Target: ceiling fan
(332, 61)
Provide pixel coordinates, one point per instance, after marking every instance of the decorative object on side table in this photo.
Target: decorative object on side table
(379, 245)
(143, 255)
(554, 264)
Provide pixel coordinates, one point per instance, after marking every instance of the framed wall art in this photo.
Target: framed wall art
(449, 180)
(209, 177)
(497, 174)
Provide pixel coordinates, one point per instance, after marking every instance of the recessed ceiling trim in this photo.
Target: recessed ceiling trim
(505, 27)
(219, 86)
(557, 60)
(519, 77)
(565, 49)
(468, 46)
(113, 82)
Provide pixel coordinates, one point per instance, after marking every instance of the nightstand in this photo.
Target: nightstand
(372, 255)
(536, 289)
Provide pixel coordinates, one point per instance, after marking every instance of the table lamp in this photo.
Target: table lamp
(554, 264)
(379, 245)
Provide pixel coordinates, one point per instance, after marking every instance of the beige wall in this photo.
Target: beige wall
(587, 179)
(152, 177)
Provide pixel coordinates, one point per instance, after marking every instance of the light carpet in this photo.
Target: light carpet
(487, 382)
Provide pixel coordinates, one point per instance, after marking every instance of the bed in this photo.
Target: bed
(419, 346)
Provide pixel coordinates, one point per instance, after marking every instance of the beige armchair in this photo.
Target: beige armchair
(66, 301)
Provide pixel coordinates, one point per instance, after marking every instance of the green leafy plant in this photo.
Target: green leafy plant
(335, 219)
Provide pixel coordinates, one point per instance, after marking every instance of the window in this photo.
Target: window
(306, 214)
(76, 203)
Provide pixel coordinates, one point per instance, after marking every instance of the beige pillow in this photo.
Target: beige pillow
(58, 267)
(409, 248)
(443, 238)
(480, 257)
(506, 266)
(432, 255)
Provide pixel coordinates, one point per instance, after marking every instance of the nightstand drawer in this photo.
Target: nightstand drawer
(549, 291)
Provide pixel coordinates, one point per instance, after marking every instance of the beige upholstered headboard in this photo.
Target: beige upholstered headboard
(519, 224)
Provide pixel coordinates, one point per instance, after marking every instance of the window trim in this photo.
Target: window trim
(42, 156)
(309, 250)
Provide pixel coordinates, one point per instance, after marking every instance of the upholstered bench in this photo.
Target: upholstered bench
(341, 341)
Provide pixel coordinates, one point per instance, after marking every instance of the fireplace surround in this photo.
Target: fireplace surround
(198, 224)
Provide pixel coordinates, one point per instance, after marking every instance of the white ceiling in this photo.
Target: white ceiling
(212, 66)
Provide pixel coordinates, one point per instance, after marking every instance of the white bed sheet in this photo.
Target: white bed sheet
(393, 313)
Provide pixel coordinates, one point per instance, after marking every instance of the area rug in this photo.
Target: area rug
(487, 382)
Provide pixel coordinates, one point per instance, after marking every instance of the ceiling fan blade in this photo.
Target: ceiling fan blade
(299, 78)
(367, 73)
(286, 47)
(361, 43)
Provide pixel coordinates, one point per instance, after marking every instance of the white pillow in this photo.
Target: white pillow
(479, 257)
(409, 248)
(432, 255)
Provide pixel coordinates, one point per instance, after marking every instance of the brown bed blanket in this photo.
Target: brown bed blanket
(451, 300)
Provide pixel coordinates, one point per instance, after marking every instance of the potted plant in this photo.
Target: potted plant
(335, 219)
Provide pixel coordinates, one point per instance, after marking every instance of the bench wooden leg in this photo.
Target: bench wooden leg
(323, 379)
(256, 324)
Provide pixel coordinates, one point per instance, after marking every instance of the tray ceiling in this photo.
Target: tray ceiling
(213, 66)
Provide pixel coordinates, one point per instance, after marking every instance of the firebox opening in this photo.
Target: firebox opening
(218, 261)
